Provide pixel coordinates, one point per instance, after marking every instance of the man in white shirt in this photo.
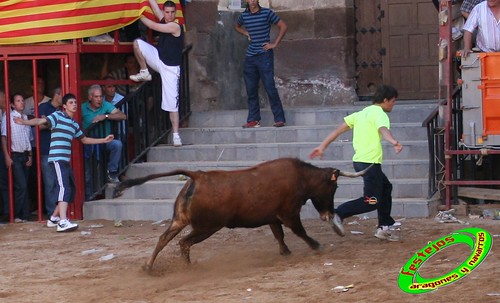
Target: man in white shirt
(485, 17)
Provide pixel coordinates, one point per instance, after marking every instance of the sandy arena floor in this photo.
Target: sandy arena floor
(241, 265)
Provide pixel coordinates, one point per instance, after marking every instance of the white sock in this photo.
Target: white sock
(52, 218)
(176, 135)
(144, 71)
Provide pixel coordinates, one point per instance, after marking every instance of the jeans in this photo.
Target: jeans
(114, 149)
(115, 152)
(21, 173)
(376, 195)
(48, 185)
(261, 67)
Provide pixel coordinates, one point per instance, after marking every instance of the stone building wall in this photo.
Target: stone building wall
(314, 63)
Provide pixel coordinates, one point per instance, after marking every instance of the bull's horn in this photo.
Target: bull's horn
(355, 175)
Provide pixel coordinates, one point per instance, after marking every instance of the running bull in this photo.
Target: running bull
(269, 193)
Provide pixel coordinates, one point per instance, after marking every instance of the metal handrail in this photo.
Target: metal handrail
(146, 125)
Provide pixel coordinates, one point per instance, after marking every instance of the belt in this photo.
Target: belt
(22, 153)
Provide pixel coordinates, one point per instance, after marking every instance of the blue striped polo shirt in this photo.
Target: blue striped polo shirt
(258, 26)
(63, 130)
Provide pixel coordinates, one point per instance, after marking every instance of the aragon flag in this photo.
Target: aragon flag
(32, 21)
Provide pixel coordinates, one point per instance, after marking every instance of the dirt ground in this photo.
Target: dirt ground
(241, 265)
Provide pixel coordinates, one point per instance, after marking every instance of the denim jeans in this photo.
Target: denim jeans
(377, 192)
(261, 67)
(49, 182)
(21, 173)
(114, 150)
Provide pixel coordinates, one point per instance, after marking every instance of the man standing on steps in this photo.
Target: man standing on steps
(369, 126)
(166, 59)
(255, 23)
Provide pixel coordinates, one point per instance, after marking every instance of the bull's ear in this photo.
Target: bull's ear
(335, 174)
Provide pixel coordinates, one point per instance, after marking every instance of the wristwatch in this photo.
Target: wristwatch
(107, 116)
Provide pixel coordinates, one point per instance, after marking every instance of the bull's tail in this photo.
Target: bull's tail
(137, 181)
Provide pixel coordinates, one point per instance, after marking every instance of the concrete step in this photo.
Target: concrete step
(268, 151)
(405, 168)
(303, 133)
(348, 189)
(162, 209)
(402, 113)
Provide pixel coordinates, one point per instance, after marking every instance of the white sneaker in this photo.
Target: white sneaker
(337, 225)
(177, 141)
(385, 233)
(141, 76)
(65, 225)
(53, 223)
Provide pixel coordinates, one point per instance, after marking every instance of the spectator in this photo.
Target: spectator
(44, 110)
(63, 130)
(369, 126)
(130, 67)
(166, 59)
(110, 94)
(20, 158)
(93, 111)
(483, 17)
(4, 181)
(255, 23)
(467, 6)
(29, 108)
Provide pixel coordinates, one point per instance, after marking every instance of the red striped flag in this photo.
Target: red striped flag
(31, 21)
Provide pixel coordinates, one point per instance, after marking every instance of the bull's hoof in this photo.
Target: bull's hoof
(147, 268)
(315, 245)
(285, 251)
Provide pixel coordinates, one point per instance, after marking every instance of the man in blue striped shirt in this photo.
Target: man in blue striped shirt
(63, 130)
(255, 23)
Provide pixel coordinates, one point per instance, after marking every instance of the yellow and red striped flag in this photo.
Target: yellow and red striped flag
(32, 21)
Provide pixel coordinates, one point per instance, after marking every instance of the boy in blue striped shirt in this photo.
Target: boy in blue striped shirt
(255, 23)
(63, 130)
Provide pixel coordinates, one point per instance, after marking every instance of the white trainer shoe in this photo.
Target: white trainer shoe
(337, 225)
(53, 223)
(385, 233)
(65, 225)
(177, 141)
(141, 76)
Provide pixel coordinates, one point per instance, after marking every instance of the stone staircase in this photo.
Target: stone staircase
(215, 140)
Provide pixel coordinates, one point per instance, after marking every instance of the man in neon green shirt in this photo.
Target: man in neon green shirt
(369, 126)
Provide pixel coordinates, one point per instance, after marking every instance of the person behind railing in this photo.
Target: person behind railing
(29, 110)
(130, 67)
(96, 110)
(467, 6)
(485, 18)
(166, 59)
(111, 96)
(20, 158)
(63, 129)
(44, 110)
(4, 181)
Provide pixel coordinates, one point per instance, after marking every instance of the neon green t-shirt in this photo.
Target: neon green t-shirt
(366, 139)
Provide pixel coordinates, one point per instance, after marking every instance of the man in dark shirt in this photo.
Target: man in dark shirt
(166, 59)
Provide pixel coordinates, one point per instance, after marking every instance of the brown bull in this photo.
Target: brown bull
(269, 193)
